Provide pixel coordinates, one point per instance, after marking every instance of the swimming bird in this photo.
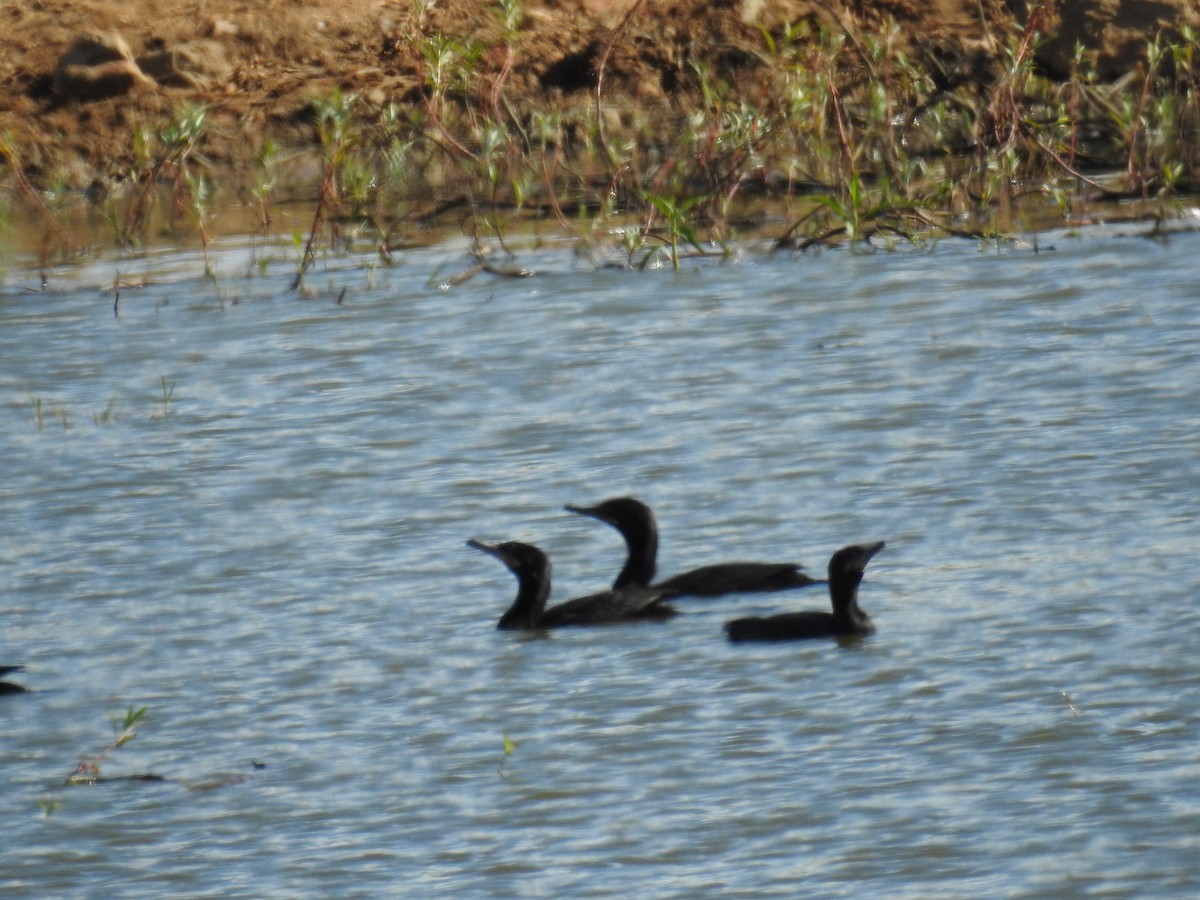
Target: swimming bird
(846, 569)
(635, 521)
(532, 568)
(7, 687)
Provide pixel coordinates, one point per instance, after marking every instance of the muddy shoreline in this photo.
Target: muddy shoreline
(621, 79)
(265, 62)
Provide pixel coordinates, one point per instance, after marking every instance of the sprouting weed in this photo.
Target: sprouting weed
(676, 215)
(106, 417)
(338, 133)
(168, 391)
(124, 725)
(509, 747)
(87, 771)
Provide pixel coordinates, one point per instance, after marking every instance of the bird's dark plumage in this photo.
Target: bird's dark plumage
(7, 687)
(635, 521)
(532, 569)
(846, 569)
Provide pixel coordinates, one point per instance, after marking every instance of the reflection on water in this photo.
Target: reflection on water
(246, 511)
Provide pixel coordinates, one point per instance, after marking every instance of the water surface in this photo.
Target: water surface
(246, 511)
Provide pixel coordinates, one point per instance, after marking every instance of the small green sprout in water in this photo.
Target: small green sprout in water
(168, 391)
(106, 417)
(58, 412)
(88, 770)
(509, 746)
(126, 730)
(677, 216)
(264, 182)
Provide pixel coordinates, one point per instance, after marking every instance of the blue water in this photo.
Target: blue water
(246, 511)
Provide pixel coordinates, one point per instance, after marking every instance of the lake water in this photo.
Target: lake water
(246, 511)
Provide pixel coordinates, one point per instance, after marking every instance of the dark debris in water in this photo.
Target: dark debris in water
(502, 270)
(88, 777)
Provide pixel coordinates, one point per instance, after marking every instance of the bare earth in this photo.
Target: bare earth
(261, 63)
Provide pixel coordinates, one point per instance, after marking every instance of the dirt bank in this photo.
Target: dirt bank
(257, 65)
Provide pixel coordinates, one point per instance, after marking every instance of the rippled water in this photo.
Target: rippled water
(247, 511)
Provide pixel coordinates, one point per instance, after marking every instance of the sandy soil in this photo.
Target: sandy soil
(266, 60)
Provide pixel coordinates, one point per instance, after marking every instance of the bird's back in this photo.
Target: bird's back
(609, 606)
(719, 579)
(787, 627)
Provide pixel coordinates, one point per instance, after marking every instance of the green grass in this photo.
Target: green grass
(846, 137)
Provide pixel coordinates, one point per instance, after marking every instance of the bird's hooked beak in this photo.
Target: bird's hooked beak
(589, 511)
(490, 549)
(866, 551)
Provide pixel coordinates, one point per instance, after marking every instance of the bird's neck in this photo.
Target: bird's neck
(533, 590)
(843, 590)
(641, 561)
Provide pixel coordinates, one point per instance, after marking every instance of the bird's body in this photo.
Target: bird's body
(846, 569)
(531, 567)
(8, 687)
(719, 579)
(635, 521)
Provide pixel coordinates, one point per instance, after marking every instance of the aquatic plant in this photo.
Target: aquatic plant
(676, 216)
(106, 417)
(87, 771)
(170, 156)
(509, 747)
(168, 392)
(199, 194)
(265, 176)
(53, 228)
(338, 133)
(58, 411)
(511, 13)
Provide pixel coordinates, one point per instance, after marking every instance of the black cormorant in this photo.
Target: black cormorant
(7, 687)
(636, 523)
(846, 569)
(532, 568)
